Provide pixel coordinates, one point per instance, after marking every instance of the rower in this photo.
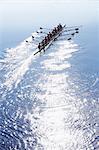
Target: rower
(49, 35)
(54, 32)
(55, 29)
(42, 45)
(46, 40)
(60, 26)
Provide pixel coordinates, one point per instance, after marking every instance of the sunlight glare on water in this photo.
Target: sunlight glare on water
(41, 108)
(60, 123)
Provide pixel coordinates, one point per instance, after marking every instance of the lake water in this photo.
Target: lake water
(49, 101)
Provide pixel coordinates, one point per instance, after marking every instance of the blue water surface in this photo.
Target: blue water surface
(49, 101)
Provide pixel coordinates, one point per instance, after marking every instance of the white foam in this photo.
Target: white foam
(56, 59)
(18, 73)
(17, 62)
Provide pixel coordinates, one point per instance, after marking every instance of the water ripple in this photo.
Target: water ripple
(43, 106)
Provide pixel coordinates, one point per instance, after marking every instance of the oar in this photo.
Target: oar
(74, 26)
(32, 37)
(37, 52)
(41, 28)
(41, 32)
(28, 41)
(77, 31)
(71, 30)
(73, 34)
(69, 39)
(69, 34)
(66, 38)
(38, 32)
(31, 41)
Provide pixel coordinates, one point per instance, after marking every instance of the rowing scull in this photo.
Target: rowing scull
(49, 44)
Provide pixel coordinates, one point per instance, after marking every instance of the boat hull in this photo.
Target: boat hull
(50, 43)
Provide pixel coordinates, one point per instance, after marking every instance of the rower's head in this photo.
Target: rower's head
(59, 25)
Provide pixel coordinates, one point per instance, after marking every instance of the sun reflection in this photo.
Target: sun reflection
(41, 108)
(57, 115)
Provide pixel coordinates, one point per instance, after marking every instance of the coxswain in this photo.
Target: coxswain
(39, 46)
(77, 29)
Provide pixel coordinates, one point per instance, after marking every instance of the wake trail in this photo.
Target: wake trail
(19, 72)
(53, 86)
(16, 63)
(19, 59)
